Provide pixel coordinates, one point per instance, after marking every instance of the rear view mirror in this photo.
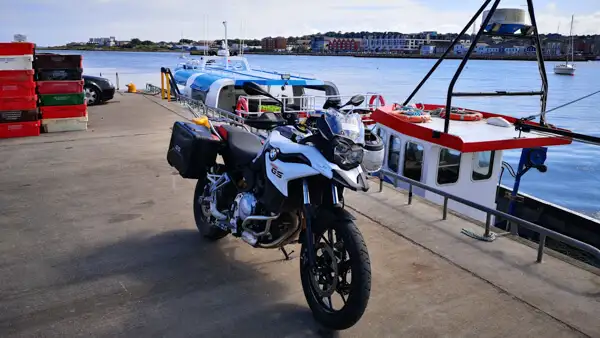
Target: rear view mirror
(356, 100)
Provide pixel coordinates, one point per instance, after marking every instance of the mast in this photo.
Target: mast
(241, 51)
(226, 47)
(572, 43)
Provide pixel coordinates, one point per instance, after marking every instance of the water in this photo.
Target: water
(573, 175)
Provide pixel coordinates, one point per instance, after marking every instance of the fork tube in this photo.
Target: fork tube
(305, 192)
(334, 194)
(309, 217)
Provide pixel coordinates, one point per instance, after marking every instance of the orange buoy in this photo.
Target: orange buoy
(377, 97)
(242, 106)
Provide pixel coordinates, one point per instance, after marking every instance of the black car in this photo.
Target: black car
(97, 89)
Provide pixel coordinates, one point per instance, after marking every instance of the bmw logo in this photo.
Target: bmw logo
(273, 154)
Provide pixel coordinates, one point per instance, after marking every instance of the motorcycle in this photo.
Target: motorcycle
(284, 190)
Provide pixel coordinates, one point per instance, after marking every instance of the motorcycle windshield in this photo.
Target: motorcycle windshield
(346, 125)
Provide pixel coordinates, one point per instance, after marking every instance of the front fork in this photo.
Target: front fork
(310, 243)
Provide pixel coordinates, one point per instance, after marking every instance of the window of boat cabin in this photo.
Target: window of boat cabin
(395, 146)
(483, 165)
(381, 133)
(413, 161)
(449, 166)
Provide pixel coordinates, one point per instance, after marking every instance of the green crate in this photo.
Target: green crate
(62, 99)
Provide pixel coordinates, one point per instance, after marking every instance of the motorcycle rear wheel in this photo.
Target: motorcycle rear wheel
(202, 215)
(354, 294)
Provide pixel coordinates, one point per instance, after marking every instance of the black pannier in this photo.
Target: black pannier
(192, 149)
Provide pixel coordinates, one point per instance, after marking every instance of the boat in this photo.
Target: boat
(217, 81)
(453, 156)
(567, 68)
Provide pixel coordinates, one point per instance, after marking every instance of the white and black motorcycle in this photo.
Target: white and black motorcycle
(287, 189)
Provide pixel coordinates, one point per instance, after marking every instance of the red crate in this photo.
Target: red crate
(19, 129)
(60, 112)
(60, 87)
(12, 76)
(17, 89)
(16, 48)
(18, 103)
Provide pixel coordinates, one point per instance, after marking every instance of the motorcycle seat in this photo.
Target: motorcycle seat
(243, 146)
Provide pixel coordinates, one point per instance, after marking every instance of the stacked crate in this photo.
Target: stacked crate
(60, 88)
(18, 101)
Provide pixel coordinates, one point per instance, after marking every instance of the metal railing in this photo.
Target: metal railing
(197, 108)
(308, 104)
(543, 232)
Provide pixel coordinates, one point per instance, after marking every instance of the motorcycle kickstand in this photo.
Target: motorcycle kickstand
(288, 255)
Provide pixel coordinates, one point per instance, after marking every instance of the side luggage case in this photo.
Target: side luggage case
(192, 150)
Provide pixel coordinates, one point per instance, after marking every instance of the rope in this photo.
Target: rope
(561, 106)
(408, 110)
(472, 234)
(509, 168)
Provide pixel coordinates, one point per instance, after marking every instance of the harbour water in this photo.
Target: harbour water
(573, 176)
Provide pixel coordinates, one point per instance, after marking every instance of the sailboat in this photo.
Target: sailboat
(567, 68)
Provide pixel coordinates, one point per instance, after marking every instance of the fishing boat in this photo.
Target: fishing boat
(567, 68)
(453, 156)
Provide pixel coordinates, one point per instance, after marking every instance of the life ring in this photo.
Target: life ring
(410, 114)
(379, 98)
(242, 106)
(462, 115)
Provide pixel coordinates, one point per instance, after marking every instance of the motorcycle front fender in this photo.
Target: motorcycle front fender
(331, 213)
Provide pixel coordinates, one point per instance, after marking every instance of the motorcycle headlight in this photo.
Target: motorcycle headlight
(346, 154)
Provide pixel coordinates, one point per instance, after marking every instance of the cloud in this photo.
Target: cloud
(61, 21)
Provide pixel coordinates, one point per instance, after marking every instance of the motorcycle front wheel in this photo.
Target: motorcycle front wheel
(337, 289)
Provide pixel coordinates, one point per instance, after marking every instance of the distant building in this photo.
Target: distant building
(320, 43)
(427, 50)
(300, 46)
(552, 47)
(278, 43)
(406, 43)
(344, 45)
(462, 47)
(108, 42)
(19, 38)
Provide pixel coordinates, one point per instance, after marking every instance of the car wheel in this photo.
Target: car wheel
(92, 95)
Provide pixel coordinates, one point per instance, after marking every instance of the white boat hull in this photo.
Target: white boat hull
(564, 70)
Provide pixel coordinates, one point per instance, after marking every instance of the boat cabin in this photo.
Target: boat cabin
(465, 162)
(217, 81)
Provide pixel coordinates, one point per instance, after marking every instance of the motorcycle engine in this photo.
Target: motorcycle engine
(245, 205)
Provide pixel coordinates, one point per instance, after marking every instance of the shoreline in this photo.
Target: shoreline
(133, 50)
(437, 56)
(359, 55)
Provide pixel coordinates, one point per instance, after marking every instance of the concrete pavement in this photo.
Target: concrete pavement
(98, 239)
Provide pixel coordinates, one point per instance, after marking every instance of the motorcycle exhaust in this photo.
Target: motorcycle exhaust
(249, 238)
(213, 209)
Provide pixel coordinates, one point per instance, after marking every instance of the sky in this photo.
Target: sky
(56, 22)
